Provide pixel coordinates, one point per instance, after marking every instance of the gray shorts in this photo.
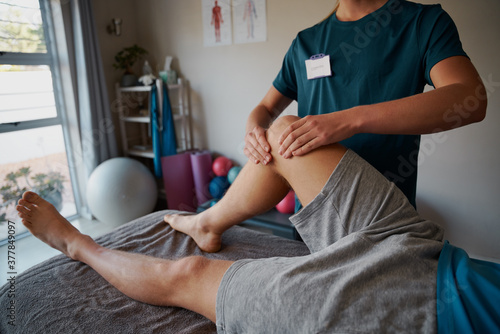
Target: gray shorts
(372, 266)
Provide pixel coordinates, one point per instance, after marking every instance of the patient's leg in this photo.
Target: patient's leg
(190, 283)
(259, 188)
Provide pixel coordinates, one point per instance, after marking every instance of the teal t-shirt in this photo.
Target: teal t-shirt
(384, 56)
(468, 293)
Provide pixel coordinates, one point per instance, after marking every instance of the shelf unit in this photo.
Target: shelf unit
(135, 111)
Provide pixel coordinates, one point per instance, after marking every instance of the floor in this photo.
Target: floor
(30, 251)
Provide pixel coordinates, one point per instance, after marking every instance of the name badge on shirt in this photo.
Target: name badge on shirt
(318, 66)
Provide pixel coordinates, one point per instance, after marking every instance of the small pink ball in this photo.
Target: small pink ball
(221, 166)
(287, 204)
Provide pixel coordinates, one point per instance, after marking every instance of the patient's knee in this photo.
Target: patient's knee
(190, 266)
(277, 128)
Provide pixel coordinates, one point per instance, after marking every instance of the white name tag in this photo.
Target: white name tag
(318, 66)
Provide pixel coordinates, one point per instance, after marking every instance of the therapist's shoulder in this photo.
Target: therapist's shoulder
(414, 8)
(311, 32)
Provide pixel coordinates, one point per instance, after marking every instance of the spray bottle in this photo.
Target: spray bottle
(168, 75)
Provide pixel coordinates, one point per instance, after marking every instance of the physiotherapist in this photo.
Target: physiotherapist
(358, 78)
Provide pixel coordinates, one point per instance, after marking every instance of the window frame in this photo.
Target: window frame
(50, 59)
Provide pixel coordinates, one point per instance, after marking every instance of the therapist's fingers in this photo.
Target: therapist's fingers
(289, 129)
(257, 147)
(307, 134)
(260, 134)
(308, 146)
(313, 131)
(302, 144)
(293, 137)
(255, 156)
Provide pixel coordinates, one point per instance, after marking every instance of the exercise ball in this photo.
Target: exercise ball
(233, 172)
(221, 166)
(287, 204)
(120, 190)
(218, 186)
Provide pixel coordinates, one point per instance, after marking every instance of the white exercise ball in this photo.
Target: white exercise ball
(120, 190)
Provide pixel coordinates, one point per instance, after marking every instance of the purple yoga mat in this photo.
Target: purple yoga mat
(201, 163)
(178, 182)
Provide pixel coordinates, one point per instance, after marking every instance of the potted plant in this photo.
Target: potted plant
(49, 186)
(125, 60)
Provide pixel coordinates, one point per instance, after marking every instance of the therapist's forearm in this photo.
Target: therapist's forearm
(259, 116)
(441, 109)
(271, 106)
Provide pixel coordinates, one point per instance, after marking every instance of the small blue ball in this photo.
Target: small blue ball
(218, 186)
(233, 173)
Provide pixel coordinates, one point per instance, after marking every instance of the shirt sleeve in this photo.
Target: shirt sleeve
(286, 80)
(439, 39)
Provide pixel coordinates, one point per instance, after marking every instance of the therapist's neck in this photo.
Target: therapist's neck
(353, 10)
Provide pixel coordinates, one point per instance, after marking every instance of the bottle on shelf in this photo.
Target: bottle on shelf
(146, 68)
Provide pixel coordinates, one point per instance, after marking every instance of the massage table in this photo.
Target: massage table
(65, 296)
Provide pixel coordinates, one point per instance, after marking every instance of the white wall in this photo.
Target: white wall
(227, 81)
(459, 185)
(459, 181)
(104, 12)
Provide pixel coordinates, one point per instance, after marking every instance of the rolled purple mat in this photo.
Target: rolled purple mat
(178, 182)
(201, 163)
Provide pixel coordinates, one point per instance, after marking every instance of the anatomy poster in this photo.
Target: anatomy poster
(250, 23)
(216, 22)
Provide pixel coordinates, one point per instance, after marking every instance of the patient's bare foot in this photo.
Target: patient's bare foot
(207, 239)
(45, 223)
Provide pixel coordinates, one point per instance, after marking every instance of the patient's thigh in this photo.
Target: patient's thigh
(355, 197)
(353, 285)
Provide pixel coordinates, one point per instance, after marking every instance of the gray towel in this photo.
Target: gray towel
(64, 296)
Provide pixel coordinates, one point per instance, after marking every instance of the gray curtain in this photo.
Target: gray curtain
(94, 113)
(87, 115)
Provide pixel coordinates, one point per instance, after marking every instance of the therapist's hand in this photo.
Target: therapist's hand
(257, 147)
(311, 132)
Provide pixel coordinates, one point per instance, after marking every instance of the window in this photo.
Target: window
(32, 132)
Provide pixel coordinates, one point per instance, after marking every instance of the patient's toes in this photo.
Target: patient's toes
(32, 197)
(26, 204)
(169, 219)
(25, 215)
(23, 211)
(29, 196)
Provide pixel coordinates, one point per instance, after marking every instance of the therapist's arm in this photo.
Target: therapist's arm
(256, 146)
(459, 99)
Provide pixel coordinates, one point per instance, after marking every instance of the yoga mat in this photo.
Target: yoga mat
(178, 182)
(201, 163)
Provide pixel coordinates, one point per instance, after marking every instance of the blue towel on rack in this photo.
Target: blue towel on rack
(162, 128)
(169, 141)
(155, 131)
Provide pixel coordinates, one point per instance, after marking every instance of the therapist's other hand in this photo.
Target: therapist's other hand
(311, 132)
(257, 147)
